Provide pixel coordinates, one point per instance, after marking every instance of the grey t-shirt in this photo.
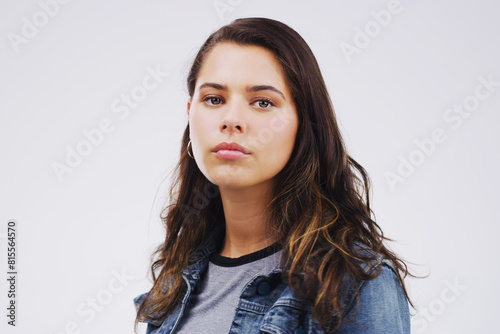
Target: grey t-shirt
(213, 303)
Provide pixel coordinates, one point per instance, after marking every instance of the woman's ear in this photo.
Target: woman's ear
(188, 106)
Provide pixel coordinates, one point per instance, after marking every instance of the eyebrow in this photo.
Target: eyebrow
(251, 89)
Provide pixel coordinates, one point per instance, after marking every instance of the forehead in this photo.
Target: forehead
(241, 65)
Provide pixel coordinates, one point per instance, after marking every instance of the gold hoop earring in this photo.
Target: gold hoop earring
(189, 153)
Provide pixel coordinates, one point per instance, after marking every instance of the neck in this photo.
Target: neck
(247, 230)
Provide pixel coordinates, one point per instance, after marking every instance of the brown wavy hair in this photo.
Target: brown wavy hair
(321, 206)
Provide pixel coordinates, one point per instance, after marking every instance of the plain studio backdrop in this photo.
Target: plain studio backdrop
(93, 107)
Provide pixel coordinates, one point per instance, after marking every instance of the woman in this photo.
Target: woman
(269, 226)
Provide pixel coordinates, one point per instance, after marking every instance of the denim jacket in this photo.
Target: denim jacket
(268, 305)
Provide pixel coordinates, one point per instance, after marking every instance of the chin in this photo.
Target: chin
(224, 180)
(225, 176)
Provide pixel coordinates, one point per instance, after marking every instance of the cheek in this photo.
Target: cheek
(277, 137)
(200, 126)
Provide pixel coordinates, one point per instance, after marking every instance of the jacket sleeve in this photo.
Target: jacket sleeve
(383, 307)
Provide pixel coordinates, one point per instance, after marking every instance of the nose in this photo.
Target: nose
(232, 121)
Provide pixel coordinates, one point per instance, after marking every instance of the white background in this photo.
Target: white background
(75, 236)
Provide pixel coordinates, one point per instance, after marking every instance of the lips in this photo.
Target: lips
(230, 151)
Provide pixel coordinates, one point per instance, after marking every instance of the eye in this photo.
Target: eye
(264, 103)
(213, 100)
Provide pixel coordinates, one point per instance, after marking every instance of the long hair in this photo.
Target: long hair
(320, 208)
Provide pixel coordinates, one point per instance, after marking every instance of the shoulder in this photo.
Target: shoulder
(371, 306)
(386, 285)
(138, 300)
(380, 305)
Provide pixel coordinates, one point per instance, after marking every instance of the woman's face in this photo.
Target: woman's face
(242, 118)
